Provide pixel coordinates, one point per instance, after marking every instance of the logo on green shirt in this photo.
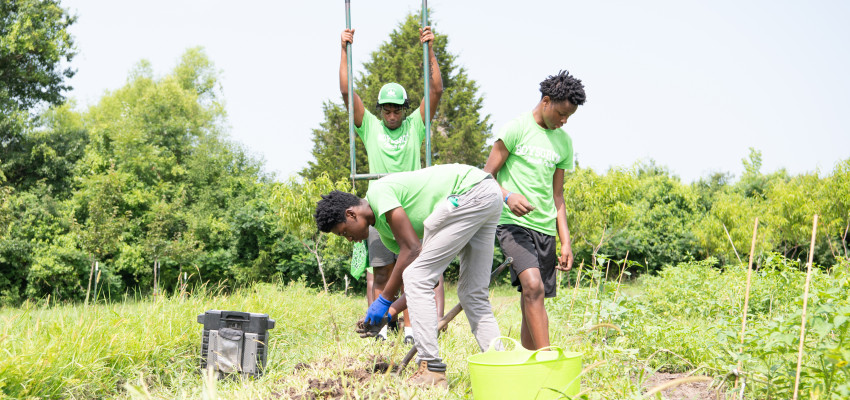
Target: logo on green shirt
(537, 155)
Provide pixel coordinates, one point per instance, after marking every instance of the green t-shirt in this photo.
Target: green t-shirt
(392, 150)
(535, 153)
(419, 193)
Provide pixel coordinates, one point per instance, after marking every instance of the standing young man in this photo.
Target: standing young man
(528, 160)
(454, 210)
(392, 145)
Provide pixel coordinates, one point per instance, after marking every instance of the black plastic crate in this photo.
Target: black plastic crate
(239, 342)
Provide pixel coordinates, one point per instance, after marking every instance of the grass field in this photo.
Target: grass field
(146, 349)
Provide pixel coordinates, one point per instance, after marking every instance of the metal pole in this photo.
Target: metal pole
(350, 95)
(427, 101)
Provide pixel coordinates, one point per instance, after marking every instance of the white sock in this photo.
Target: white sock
(383, 332)
(408, 331)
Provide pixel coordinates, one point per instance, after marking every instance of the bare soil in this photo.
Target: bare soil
(352, 373)
(685, 391)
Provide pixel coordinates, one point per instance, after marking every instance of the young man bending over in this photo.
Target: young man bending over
(454, 210)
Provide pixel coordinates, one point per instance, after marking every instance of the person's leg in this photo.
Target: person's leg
(370, 280)
(382, 275)
(439, 298)
(446, 232)
(420, 277)
(535, 321)
(528, 275)
(382, 262)
(476, 261)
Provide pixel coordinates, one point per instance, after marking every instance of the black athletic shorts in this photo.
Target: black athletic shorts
(529, 249)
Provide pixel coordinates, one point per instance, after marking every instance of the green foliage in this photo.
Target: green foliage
(598, 207)
(143, 176)
(688, 318)
(296, 201)
(660, 221)
(5, 212)
(459, 132)
(664, 215)
(47, 156)
(35, 45)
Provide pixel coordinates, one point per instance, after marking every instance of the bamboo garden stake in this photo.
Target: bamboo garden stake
(733, 243)
(747, 293)
(575, 291)
(805, 303)
(620, 278)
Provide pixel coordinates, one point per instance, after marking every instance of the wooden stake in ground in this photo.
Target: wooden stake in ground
(620, 278)
(575, 291)
(747, 293)
(601, 278)
(733, 243)
(155, 278)
(805, 303)
(592, 284)
(91, 276)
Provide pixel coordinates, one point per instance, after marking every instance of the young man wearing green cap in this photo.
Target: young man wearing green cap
(453, 209)
(528, 160)
(392, 144)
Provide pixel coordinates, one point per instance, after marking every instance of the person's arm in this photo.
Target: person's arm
(381, 310)
(515, 201)
(436, 79)
(565, 260)
(409, 247)
(348, 37)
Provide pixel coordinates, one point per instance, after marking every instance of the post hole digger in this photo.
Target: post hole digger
(424, 217)
(366, 329)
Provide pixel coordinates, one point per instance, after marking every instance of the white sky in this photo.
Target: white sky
(690, 84)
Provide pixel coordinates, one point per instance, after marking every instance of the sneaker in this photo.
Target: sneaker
(434, 374)
(409, 340)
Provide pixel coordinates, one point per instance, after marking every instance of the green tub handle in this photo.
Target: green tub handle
(533, 356)
(497, 338)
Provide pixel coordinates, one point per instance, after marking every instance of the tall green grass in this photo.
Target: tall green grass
(685, 319)
(150, 349)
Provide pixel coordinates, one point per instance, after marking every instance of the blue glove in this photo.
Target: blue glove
(378, 310)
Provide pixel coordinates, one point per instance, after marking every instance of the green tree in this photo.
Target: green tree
(5, 206)
(35, 50)
(104, 216)
(296, 202)
(661, 230)
(598, 208)
(837, 208)
(47, 156)
(459, 132)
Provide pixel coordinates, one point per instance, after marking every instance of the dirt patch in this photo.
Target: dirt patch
(685, 391)
(350, 373)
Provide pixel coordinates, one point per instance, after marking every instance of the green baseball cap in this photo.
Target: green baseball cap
(392, 93)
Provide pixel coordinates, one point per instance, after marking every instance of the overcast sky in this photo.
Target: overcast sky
(691, 85)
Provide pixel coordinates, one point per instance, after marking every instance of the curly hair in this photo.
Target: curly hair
(563, 86)
(330, 210)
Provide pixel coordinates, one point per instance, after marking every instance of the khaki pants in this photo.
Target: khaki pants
(467, 230)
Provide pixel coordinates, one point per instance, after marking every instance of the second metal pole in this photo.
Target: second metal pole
(427, 73)
(350, 94)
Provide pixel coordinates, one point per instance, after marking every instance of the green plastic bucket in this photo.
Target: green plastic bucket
(524, 374)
